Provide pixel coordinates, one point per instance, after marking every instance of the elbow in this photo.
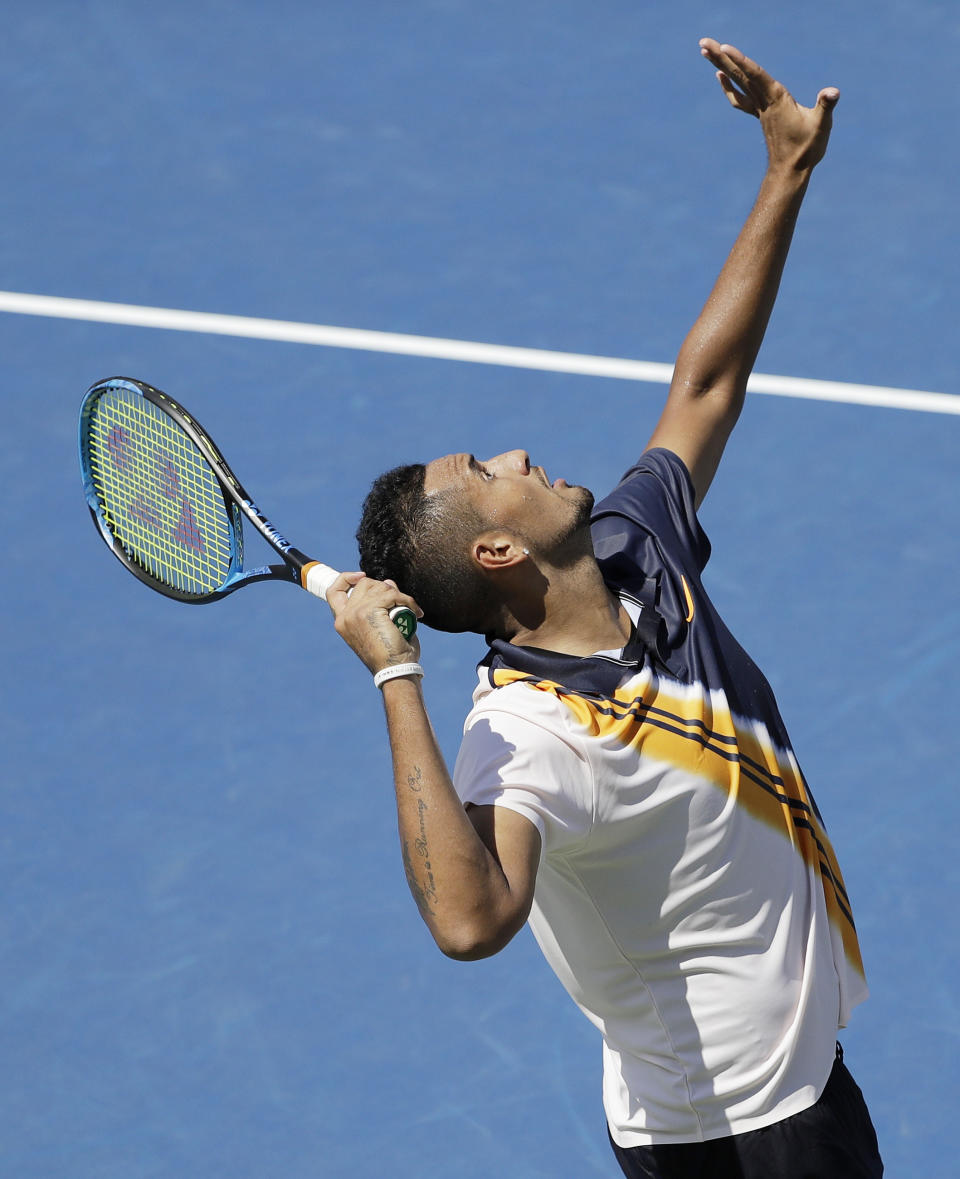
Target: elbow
(468, 942)
(719, 394)
(466, 953)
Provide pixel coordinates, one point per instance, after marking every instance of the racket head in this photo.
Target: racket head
(153, 494)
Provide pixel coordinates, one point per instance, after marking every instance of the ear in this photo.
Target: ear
(495, 551)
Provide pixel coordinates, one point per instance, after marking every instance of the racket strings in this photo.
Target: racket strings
(158, 494)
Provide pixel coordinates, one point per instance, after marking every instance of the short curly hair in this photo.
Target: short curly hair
(422, 543)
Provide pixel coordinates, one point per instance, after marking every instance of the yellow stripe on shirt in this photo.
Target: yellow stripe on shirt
(692, 728)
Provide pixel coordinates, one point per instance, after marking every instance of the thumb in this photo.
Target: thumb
(828, 98)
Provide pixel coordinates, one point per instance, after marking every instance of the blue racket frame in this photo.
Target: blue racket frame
(237, 502)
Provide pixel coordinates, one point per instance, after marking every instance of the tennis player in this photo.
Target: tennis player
(625, 782)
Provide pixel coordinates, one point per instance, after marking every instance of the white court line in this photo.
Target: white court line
(440, 349)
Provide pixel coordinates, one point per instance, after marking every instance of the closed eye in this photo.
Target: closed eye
(480, 470)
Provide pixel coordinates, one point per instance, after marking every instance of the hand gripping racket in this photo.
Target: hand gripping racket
(169, 507)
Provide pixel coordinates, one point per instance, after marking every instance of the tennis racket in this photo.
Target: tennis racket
(169, 507)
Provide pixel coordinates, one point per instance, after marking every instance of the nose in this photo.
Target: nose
(511, 460)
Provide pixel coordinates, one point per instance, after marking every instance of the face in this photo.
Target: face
(514, 496)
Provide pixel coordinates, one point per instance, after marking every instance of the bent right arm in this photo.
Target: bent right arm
(472, 872)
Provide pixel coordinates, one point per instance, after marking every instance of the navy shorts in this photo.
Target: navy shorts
(833, 1139)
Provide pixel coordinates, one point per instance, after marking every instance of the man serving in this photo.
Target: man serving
(626, 783)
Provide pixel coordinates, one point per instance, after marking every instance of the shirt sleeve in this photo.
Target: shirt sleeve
(657, 494)
(514, 762)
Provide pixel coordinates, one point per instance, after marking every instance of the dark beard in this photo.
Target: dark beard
(585, 508)
(577, 542)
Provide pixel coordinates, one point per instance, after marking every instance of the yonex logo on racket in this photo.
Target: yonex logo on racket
(167, 504)
(277, 537)
(186, 531)
(121, 448)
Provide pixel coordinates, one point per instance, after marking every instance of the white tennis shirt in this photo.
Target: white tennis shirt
(687, 897)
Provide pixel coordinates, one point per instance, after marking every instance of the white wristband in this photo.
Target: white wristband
(395, 672)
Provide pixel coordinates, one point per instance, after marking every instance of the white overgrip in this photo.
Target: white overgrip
(317, 578)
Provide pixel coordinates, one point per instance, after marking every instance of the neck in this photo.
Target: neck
(575, 613)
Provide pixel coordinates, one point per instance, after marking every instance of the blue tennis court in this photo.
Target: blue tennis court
(212, 966)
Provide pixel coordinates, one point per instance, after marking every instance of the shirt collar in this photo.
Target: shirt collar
(599, 675)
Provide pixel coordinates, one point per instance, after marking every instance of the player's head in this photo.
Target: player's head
(415, 540)
(455, 533)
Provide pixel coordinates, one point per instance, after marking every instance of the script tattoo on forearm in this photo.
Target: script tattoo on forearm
(422, 884)
(386, 633)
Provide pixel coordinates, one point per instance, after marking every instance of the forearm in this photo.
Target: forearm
(719, 352)
(460, 888)
(473, 892)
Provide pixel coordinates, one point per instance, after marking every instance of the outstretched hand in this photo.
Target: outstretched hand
(796, 135)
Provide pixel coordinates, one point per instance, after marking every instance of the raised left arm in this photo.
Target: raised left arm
(710, 378)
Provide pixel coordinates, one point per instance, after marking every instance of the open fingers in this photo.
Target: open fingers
(757, 86)
(735, 97)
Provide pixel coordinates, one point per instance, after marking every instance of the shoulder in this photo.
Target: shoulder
(654, 500)
(519, 752)
(656, 475)
(519, 710)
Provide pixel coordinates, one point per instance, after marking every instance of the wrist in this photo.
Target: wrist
(396, 671)
(789, 173)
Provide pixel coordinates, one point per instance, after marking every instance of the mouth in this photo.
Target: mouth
(545, 480)
(556, 486)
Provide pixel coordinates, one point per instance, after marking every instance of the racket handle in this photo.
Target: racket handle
(317, 578)
(404, 619)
